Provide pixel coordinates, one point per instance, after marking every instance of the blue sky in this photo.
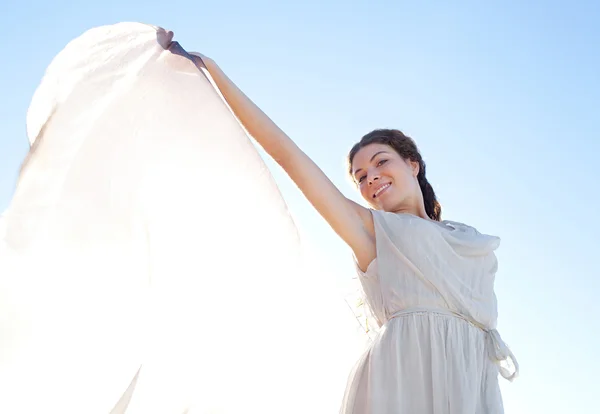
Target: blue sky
(502, 99)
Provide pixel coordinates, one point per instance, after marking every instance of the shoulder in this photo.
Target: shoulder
(468, 236)
(463, 227)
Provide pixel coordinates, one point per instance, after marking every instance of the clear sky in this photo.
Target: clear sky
(503, 100)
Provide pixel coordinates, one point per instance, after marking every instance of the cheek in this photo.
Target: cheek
(363, 190)
(404, 180)
(411, 186)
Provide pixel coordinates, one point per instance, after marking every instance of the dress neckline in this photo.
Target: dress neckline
(446, 224)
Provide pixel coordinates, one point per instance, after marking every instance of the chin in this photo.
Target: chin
(383, 205)
(389, 206)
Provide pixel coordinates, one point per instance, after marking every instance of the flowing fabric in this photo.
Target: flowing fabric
(148, 263)
(431, 291)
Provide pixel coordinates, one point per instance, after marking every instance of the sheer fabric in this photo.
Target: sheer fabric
(148, 261)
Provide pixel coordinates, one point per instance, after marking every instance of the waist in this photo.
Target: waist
(439, 311)
(497, 350)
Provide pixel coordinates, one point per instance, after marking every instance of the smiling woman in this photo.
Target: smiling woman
(387, 156)
(125, 290)
(429, 284)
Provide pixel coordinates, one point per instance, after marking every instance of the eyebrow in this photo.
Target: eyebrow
(372, 158)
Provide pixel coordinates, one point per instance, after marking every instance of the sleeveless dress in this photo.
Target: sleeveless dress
(431, 291)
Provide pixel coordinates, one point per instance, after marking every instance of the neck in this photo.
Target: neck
(415, 206)
(415, 211)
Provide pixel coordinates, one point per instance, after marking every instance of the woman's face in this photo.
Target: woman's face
(386, 181)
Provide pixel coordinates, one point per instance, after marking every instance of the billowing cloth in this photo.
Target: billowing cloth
(431, 291)
(148, 263)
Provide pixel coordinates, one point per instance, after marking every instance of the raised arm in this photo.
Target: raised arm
(352, 222)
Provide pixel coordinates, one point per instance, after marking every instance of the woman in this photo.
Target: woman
(429, 283)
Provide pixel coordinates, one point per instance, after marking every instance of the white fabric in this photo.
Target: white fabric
(431, 289)
(148, 262)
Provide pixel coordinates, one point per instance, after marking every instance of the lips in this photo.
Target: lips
(381, 190)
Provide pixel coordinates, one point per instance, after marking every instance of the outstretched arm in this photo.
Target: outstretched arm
(352, 222)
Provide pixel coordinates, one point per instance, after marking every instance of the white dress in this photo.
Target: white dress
(431, 291)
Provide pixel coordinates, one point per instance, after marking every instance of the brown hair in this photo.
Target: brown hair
(408, 150)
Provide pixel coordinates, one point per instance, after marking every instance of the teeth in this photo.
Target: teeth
(381, 189)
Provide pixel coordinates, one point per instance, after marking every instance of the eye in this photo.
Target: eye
(381, 162)
(360, 180)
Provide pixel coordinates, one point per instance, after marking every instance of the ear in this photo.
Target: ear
(415, 167)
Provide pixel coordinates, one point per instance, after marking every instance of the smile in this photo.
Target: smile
(381, 190)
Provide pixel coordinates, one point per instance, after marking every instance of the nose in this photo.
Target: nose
(372, 178)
